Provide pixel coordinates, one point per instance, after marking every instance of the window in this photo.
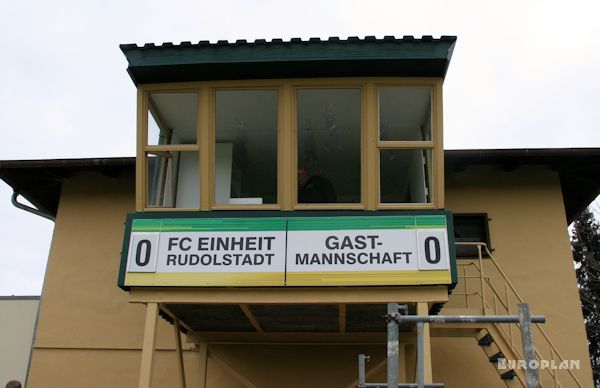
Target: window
(405, 145)
(329, 145)
(352, 143)
(471, 227)
(171, 151)
(246, 147)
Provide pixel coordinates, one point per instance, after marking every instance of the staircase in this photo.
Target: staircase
(496, 350)
(493, 294)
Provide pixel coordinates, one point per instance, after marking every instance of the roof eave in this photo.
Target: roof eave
(410, 57)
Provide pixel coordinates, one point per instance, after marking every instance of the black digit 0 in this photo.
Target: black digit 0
(138, 253)
(436, 246)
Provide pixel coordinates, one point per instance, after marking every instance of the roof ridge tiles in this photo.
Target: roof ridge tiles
(128, 46)
(447, 38)
(297, 40)
(334, 56)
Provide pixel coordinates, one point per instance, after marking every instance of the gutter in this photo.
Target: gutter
(29, 209)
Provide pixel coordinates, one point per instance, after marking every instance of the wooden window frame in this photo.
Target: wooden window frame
(146, 149)
(212, 164)
(435, 187)
(287, 141)
(345, 84)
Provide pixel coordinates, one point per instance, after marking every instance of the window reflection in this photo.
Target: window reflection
(404, 175)
(172, 118)
(404, 114)
(246, 147)
(173, 179)
(329, 157)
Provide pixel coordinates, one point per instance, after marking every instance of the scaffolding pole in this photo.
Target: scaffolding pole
(395, 318)
(392, 345)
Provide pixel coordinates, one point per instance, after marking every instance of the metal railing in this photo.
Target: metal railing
(483, 284)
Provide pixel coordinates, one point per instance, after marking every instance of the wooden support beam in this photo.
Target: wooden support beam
(148, 346)
(293, 338)
(171, 314)
(203, 364)
(402, 363)
(179, 354)
(251, 318)
(295, 295)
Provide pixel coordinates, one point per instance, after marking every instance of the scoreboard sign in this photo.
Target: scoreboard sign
(396, 250)
(288, 251)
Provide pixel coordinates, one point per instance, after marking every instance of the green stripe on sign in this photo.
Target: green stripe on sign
(351, 223)
(144, 225)
(436, 221)
(294, 223)
(223, 224)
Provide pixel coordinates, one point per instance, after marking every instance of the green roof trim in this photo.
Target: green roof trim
(352, 57)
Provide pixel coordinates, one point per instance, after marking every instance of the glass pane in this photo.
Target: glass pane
(172, 118)
(173, 179)
(404, 114)
(329, 157)
(405, 176)
(246, 147)
(470, 228)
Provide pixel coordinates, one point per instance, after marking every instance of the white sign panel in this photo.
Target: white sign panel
(292, 251)
(433, 249)
(143, 249)
(207, 252)
(355, 250)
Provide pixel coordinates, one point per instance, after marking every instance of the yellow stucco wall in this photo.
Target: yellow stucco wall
(531, 243)
(88, 333)
(17, 322)
(90, 336)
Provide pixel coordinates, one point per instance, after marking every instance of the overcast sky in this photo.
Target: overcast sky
(524, 74)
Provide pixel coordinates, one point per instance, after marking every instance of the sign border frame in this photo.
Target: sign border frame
(285, 214)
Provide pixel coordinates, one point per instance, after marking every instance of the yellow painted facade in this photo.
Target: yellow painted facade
(90, 334)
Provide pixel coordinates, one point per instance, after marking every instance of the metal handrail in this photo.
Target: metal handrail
(540, 329)
(505, 304)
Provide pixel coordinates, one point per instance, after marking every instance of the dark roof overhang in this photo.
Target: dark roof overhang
(578, 169)
(40, 181)
(352, 57)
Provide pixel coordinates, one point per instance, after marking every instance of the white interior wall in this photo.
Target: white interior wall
(188, 181)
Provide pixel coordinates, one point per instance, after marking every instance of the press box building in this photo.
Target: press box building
(282, 194)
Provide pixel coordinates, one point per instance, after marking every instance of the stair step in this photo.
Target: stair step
(508, 375)
(486, 340)
(495, 357)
